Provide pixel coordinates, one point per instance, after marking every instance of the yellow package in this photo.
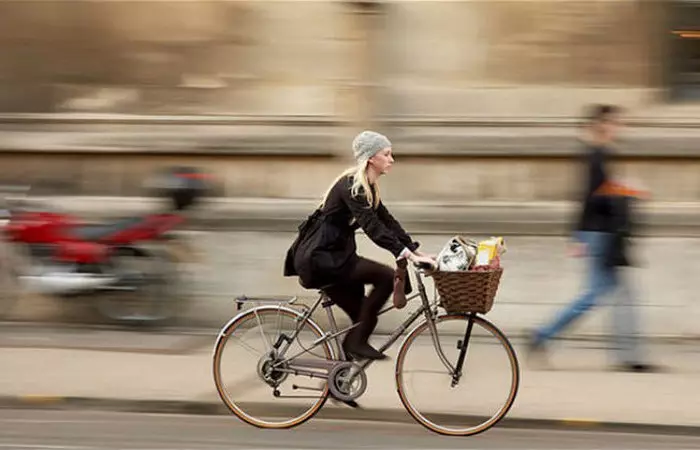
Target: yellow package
(488, 250)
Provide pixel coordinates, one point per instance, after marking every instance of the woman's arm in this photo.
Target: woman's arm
(369, 220)
(389, 220)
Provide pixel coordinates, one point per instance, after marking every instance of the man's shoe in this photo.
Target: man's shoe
(638, 368)
(536, 351)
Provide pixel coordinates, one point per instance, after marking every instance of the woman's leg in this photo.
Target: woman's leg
(349, 294)
(348, 297)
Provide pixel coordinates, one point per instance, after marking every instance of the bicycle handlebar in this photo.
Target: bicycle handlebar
(424, 266)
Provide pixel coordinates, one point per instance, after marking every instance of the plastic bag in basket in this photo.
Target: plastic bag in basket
(458, 254)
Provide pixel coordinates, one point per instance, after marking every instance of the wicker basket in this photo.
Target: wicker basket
(464, 292)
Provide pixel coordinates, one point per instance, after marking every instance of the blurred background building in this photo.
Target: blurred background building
(481, 99)
(266, 93)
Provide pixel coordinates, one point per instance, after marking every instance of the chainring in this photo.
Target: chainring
(347, 381)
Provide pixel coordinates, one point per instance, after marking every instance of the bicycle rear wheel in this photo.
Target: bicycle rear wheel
(251, 376)
(457, 402)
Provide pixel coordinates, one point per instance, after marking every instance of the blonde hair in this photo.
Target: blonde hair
(359, 181)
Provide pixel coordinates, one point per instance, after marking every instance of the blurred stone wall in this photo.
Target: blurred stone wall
(177, 57)
(519, 58)
(479, 97)
(454, 59)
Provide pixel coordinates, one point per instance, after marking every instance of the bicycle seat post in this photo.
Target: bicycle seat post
(327, 304)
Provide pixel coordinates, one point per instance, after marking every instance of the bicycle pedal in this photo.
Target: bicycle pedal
(351, 403)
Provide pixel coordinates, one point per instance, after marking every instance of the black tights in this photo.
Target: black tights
(349, 295)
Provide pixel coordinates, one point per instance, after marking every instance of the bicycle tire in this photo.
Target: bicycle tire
(419, 417)
(228, 330)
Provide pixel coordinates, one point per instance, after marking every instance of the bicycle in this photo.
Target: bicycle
(346, 380)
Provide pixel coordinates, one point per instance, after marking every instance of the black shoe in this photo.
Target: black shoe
(362, 351)
(639, 368)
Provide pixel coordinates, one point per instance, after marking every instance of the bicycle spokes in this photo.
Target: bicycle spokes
(249, 367)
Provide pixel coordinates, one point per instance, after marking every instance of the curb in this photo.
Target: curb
(390, 415)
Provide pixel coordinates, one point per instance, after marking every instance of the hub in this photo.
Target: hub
(269, 370)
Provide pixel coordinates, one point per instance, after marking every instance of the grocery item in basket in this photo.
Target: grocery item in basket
(489, 250)
(458, 254)
(493, 265)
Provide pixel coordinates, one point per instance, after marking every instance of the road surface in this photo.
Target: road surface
(90, 430)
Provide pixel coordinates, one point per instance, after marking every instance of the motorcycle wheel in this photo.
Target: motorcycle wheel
(149, 292)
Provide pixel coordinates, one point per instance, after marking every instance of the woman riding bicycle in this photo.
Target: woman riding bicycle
(352, 202)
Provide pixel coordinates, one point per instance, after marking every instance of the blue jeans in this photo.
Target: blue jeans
(602, 279)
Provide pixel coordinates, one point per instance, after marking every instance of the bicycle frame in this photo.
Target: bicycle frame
(304, 367)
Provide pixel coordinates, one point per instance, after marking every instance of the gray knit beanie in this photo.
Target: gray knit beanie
(367, 144)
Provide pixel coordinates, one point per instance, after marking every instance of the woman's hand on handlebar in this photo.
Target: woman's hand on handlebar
(422, 261)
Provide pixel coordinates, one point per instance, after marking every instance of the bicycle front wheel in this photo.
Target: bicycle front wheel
(255, 381)
(449, 399)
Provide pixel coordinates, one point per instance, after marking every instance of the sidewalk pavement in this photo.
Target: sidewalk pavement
(152, 372)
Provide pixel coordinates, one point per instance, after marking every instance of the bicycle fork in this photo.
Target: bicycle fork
(462, 346)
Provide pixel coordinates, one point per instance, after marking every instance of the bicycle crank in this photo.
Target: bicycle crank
(347, 381)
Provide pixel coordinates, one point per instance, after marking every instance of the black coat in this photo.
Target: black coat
(595, 210)
(341, 215)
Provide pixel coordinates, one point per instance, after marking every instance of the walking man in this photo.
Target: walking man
(600, 234)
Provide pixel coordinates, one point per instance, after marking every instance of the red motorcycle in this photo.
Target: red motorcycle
(130, 266)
